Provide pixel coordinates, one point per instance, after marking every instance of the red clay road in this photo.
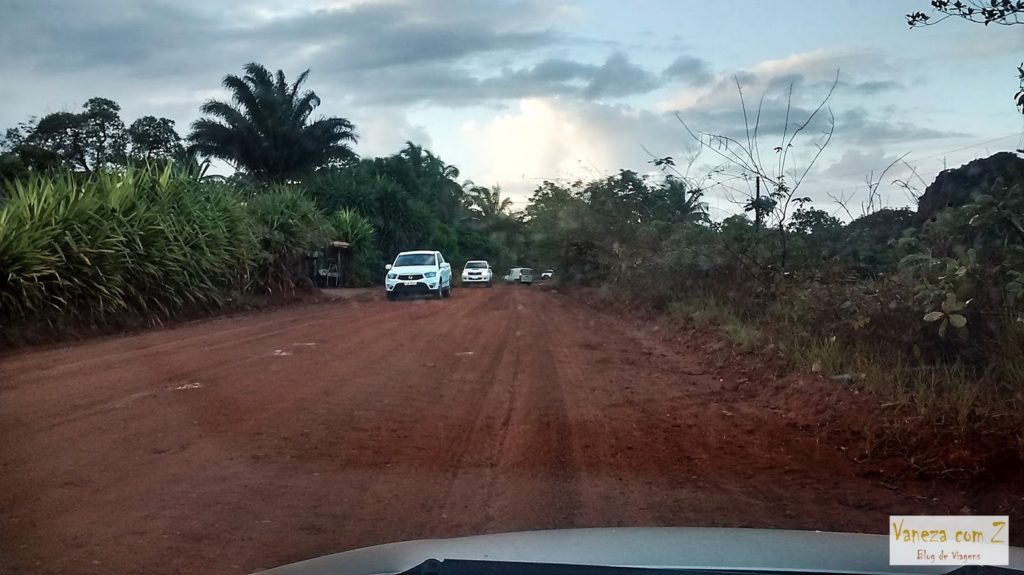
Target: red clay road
(241, 443)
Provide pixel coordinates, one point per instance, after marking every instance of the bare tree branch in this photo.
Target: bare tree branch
(842, 201)
(873, 185)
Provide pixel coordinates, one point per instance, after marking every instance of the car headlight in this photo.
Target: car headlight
(429, 275)
(392, 276)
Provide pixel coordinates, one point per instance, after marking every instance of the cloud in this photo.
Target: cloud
(856, 162)
(619, 77)
(859, 126)
(809, 73)
(161, 37)
(568, 139)
(781, 93)
(877, 86)
(616, 77)
(382, 131)
(689, 69)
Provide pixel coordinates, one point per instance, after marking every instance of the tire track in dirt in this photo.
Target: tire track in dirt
(516, 468)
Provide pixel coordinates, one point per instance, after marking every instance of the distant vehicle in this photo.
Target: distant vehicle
(520, 275)
(546, 274)
(477, 272)
(419, 272)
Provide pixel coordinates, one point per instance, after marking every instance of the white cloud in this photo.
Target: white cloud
(566, 139)
(541, 138)
(384, 131)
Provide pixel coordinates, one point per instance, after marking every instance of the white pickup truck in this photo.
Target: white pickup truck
(477, 272)
(419, 272)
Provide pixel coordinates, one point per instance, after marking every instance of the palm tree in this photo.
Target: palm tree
(683, 202)
(266, 130)
(486, 203)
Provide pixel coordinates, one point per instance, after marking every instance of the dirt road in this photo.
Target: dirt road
(242, 443)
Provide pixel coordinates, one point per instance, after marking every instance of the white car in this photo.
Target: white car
(477, 272)
(520, 276)
(547, 274)
(419, 272)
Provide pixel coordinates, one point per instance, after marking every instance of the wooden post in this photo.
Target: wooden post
(757, 204)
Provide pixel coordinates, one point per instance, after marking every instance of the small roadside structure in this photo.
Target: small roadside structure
(330, 264)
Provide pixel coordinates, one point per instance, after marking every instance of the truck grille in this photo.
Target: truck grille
(410, 276)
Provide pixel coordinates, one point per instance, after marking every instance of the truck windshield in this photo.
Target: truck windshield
(415, 260)
(476, 265)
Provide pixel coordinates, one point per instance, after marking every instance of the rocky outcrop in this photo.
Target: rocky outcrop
(992, 175)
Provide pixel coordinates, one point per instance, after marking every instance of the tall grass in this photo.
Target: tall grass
(146, 241)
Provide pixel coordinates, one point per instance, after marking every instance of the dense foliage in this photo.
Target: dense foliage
(414, 201)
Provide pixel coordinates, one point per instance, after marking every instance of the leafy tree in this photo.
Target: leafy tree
(428, 178)
(105, 139)
(47, 143)
(812, 221)
(607, 228)
(86, 141)
(154, 138)
(268, 131)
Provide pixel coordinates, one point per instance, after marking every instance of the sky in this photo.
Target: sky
(514, 92)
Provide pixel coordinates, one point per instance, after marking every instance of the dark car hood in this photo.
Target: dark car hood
(665, 547)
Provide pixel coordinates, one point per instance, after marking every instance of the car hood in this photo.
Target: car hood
(662, 547)
(413, 269)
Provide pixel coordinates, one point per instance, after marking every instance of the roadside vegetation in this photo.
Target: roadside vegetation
(924, 308)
